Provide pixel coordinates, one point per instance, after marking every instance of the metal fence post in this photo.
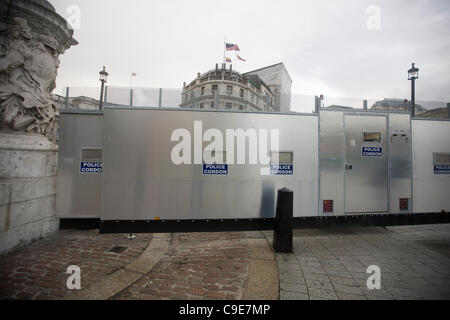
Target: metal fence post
(365, 104)
(131, 97)
(66, 104)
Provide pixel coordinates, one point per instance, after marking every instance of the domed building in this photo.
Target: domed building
(224, 88)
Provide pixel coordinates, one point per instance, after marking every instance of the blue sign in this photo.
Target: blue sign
(282, 169)
(91, 167)
(215, 168)
(442, 169)
(372, 152)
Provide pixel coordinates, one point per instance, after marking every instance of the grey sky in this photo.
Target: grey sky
(325, 45)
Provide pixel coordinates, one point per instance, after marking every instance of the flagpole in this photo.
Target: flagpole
(224, 48)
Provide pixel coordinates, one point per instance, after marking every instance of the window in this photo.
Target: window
(372, 136)
(228, 105)
(282, 157)
(241, 93)
(203, 91)
(201, 105)
(230, 90)
(441, 158)
(257, 100)
(212, 104)
(214, 88)
(253, 97)
(241, 107)
(92, 154)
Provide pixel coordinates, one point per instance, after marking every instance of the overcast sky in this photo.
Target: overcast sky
(348, 48)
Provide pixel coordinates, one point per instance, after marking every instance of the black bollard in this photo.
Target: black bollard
(282, 235)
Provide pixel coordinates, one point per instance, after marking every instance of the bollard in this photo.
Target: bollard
(282, 235)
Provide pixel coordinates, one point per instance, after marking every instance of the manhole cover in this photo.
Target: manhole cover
(118, 249)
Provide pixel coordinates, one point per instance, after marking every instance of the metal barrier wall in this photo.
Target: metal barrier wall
(117, 165)
(431, 165)
(140, 181)
(365, 162)
(78, 182)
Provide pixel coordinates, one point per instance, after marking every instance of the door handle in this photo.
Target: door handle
(348, 167)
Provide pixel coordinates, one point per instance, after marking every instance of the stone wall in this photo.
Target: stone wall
(27, 189)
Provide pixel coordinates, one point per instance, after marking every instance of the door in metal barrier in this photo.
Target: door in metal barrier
(366, 166)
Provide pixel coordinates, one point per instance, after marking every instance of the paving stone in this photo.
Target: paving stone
(316, 277)
(292, 279)
(289, 295)
(326, 285)
(346, 296)
(348, 289)
(343, 281)
(295, 287)
(315, 293)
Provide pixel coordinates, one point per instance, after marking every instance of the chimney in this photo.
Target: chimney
(224, 65)
(231, 67)
(184, 84)
(365, 104)
(217, 66)
(198, 74)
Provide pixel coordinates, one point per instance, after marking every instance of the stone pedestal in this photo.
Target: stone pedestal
(32, 36)
(27, 189)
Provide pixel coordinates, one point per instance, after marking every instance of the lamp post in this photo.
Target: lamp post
(413, 74)
(103, 80)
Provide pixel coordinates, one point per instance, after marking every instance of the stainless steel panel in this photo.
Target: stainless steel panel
(431, 192)
(399, 161)
(78, 195)
(139, 180)
(366, 183)
(332, 156)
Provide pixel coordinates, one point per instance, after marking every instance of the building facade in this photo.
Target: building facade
(279, 82)
(224, 88)
(396, 105)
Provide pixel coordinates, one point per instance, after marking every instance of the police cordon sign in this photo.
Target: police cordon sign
(372, 151)
(215, 168)
(441, 169)
(282, 169)
(91, 167)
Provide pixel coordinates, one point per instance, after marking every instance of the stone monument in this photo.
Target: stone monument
(32, 36)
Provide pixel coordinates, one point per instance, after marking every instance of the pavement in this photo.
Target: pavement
(325, 264)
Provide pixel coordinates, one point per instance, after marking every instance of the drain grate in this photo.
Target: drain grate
(118, 249)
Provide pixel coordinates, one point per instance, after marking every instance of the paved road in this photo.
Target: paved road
(326, 264)
(331, 264)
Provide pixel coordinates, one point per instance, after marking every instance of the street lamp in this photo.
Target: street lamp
(413, 74)
(103, 80)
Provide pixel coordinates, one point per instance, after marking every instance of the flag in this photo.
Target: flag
(227, 59)
(231, 47)
(240, 58)
(134, 74)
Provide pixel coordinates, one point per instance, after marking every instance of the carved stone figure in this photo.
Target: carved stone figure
(32, 36)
